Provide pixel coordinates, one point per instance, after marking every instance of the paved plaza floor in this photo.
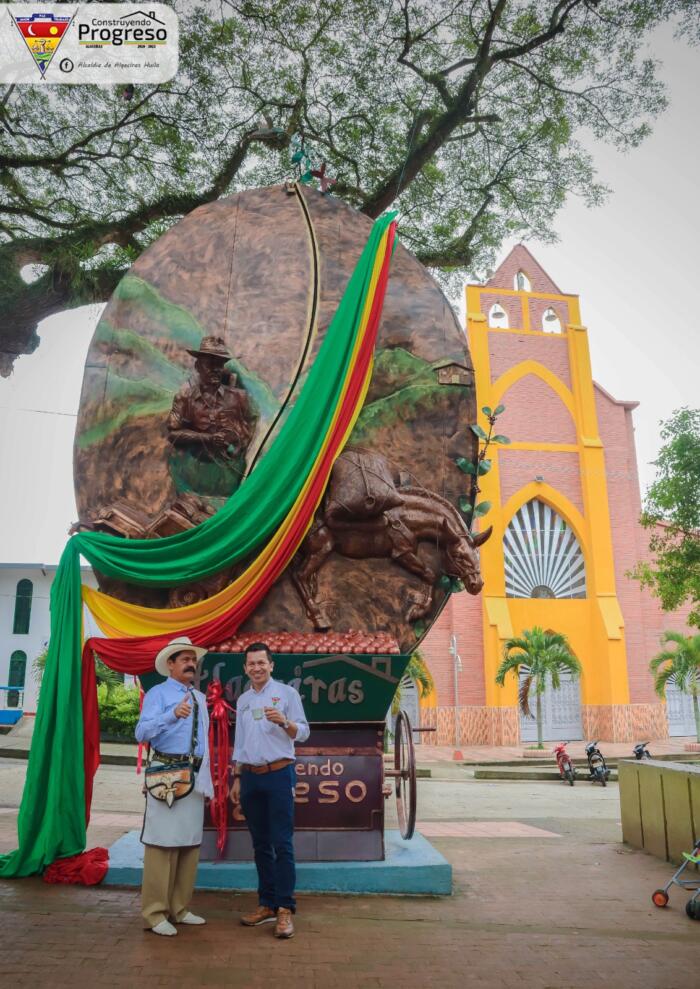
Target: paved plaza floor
(545, 897)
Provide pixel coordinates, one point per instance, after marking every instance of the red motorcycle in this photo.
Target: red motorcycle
(564, 763)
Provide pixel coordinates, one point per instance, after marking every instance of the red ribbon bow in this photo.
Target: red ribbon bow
(220, 756)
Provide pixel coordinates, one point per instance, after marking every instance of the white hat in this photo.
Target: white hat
(175, 646)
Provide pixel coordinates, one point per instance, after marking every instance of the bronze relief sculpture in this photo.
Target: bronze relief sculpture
(210, 424)
(256, 276)
(367, 516)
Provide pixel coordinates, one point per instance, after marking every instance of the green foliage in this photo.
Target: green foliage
(417, 670)
(39, 664)
(468, 504)
(104, 676)
(467, 115)
(119, 709)
(672, 517)
(466, 466)
(681, 667)
(118, 705)
(543, 655)
(419, 628)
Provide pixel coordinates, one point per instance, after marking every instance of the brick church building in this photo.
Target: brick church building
(565, 507)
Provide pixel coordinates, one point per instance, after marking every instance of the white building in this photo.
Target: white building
(24, 630)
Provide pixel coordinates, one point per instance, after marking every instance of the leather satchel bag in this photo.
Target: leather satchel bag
(170, 783)
(174, 780)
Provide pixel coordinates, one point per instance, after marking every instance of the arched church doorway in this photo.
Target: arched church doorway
(561, 712)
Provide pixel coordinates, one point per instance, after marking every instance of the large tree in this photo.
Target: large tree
(671, 514)
(466, 114)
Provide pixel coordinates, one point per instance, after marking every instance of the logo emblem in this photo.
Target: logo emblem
(42, 34)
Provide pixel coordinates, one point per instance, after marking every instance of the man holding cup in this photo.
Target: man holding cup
(269, 720)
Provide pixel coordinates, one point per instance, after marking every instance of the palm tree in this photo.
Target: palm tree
(103, 674)
(540, 655)
(416, 670)
(680, 666)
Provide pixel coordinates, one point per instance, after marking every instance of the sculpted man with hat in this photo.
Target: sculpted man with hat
(175, 722)
(210, 417)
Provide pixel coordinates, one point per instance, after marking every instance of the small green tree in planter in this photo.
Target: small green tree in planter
(680, 666)
(542, 656)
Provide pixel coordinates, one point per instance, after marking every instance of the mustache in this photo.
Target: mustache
(190, 669)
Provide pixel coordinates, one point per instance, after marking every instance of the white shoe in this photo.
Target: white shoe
(165, 928)
(191, 918)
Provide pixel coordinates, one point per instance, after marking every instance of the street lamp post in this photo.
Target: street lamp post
(457, 668)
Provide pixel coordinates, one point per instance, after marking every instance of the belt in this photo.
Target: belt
(167, 758)
(267, 767)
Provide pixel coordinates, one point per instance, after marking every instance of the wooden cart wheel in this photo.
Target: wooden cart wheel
(405, 775)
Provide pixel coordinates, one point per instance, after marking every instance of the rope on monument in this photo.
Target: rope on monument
(311, 327)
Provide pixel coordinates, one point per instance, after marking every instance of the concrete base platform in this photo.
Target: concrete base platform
(529, 773)
(411, 867)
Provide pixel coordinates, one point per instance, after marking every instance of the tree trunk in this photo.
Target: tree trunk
(24, 306)
(696, 712)
(539, 715)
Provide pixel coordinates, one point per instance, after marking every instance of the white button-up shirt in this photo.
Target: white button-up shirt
(259, 741)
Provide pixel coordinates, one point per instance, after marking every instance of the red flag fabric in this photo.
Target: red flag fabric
(86, 869)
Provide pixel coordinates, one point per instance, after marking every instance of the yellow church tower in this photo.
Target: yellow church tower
(531, 354)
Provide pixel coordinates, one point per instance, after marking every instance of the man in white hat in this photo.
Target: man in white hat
(175, 722)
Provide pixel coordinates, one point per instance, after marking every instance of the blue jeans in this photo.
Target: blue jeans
(267, 800)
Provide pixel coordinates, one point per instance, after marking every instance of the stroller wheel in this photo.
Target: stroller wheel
(692, 908)
(659, 897)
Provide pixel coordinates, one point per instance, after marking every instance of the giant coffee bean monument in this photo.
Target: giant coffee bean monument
(265, 272)
(274, 404)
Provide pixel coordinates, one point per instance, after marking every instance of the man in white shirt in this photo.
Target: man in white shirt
(269, 720)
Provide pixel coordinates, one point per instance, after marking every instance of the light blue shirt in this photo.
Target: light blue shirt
(160, 726)
(258, 740)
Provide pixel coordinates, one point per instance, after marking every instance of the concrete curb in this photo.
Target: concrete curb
(534, 773)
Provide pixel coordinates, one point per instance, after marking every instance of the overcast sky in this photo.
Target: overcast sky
(634, 262)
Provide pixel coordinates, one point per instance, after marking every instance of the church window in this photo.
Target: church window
(542, 556)
(23, 607)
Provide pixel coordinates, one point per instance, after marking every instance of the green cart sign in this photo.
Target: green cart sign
(334, 688)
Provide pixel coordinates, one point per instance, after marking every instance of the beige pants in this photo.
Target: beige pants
(168, 882)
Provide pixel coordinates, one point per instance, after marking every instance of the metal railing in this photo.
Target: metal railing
(11, 697)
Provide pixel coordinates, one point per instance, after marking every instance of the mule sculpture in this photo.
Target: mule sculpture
(417, 515)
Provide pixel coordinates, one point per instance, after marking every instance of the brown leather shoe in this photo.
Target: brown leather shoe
(261, 915)
(284, 926)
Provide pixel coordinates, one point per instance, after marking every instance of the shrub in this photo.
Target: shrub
(119, 710)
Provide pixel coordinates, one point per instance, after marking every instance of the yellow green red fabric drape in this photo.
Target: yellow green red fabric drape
(269, 514)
